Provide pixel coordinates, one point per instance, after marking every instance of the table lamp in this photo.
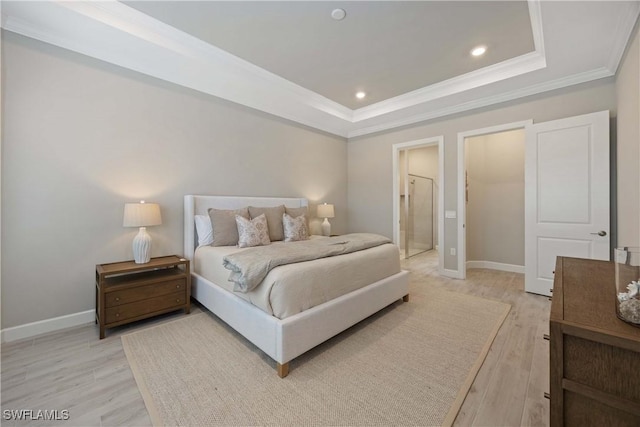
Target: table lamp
(141, 215)
(326, 211)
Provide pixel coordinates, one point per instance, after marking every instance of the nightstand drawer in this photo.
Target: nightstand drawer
(127, 296)
(146, 306)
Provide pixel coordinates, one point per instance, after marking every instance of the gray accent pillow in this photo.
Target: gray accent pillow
(296, 212)
(274, 220)
(225, 230)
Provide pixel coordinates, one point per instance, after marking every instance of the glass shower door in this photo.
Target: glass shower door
(418, 215)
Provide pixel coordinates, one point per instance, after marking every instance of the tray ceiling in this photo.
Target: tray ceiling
(383, 48)
(292, 60)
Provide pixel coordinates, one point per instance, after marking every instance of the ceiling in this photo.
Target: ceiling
(382, 48)
(290, 59)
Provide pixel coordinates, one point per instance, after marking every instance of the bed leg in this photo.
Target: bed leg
(283, 370)
(405, 298)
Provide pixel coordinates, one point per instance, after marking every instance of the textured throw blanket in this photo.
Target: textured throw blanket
(249, 267)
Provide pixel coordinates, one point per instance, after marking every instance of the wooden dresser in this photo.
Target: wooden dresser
(594, 356)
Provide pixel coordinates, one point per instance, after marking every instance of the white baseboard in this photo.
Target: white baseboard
(454, 274)
(496, 266)
(49, 325)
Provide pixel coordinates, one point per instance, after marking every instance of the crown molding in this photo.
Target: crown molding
(623, 32)
(484, 76)
(493, 73)
(486, 101)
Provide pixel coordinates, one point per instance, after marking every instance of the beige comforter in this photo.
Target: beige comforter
(293, 288)
(250, 267)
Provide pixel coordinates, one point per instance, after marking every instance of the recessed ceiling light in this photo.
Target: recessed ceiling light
(479, 51)
(338, 14)
(360, 94)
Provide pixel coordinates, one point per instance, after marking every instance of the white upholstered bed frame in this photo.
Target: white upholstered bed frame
(282, 340)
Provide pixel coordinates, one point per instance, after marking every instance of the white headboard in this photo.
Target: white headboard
(200, 205)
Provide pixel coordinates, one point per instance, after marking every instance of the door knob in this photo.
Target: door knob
(601, 233)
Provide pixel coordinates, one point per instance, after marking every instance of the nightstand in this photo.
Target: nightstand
(127, 292)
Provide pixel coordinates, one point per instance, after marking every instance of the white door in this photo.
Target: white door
(566, 195)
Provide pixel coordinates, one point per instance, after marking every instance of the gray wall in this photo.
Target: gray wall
(370, 157)
(82, 137)
(628, 145)
(495, 209)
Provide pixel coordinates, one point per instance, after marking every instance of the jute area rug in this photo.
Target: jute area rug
(410, 364)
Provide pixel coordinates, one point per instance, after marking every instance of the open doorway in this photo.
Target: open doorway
(418, 177)
(491, 194)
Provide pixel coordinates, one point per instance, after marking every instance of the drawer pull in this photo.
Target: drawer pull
(551, 290)
(547, 395)
(117, 299)
(178, 300)
(117, 314)
(177, 286)
(546, 337)
(550, 298)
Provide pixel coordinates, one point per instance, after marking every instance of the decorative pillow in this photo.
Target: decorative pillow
(225, 230)
(296, 212)
(274, 220)
(204, 230)
(252, 232)
(295, 228)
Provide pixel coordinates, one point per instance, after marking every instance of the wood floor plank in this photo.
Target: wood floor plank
(536, 410)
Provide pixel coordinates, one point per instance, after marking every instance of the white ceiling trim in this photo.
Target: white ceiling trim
(493, 73)
(486, 101)
(484, 76)
(623, 32)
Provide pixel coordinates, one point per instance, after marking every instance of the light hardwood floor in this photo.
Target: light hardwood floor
(74, 370)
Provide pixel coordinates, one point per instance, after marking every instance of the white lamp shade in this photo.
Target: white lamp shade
(325, 211)
(141, 215)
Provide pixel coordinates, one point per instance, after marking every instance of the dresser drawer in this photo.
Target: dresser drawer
(139, 293)
(582, 411)
(603, 367)
(144, 307)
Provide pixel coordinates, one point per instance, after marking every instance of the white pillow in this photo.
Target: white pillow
(252, 232)
(295, 228)
(204, 230)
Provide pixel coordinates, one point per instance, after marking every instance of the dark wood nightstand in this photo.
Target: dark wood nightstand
(126, 291)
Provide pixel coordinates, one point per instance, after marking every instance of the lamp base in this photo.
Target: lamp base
(326, 227)
(142, 247)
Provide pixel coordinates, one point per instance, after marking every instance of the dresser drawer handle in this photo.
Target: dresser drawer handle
(546, 337)
(547, 395)
(117, 299)
(117, 314)
(177, 286)
(178, 300)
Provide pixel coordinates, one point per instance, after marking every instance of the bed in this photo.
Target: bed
(287, 332)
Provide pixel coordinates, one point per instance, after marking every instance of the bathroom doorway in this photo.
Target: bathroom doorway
(418, 175)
